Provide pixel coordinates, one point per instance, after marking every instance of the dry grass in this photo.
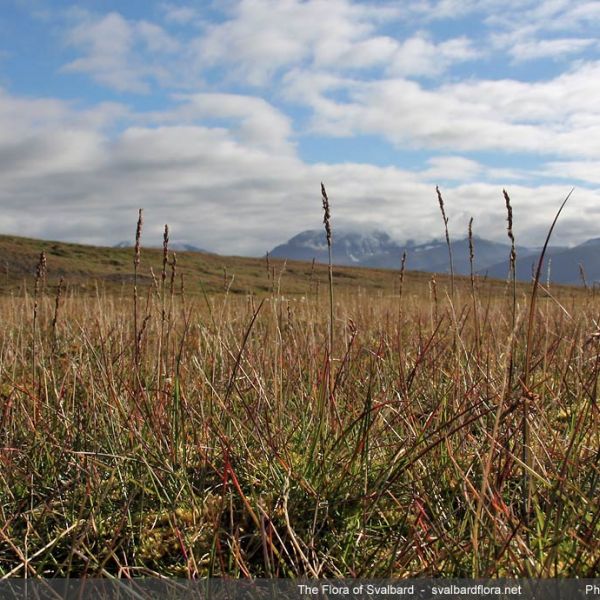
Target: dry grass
(202, 448)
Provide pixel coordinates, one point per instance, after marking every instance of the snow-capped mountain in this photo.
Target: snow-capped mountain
(378, 249)
(375, 248)
(561, 265)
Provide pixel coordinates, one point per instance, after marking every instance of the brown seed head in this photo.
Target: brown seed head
(471, 252)
(441, 203)
(402, 265)
(41, 270)
(138, 237)
(509, 216)
(326, 214)
(509, 219)
(165, 253)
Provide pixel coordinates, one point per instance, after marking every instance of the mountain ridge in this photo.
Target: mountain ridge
(377, 249)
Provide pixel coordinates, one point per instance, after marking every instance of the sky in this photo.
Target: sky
(222, 118)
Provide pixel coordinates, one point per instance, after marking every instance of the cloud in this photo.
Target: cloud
(585, 171)
(256, 122)
(462, 170)
(180, 15)
(555, 117)
(534, 30)
(119, 53)
(228, 193)
(419, 56)
(262, 37)
(562, 15)
(43, 137)
(556, 48)
(256, 41)
(455, 168)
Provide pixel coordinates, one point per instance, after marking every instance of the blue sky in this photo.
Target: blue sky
(222, 118)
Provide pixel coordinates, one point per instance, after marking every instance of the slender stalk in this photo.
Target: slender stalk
(57, 300)
(401, 286)
(163, 311)
(327, 223)
(40, 279)
(445, 218)
(136, 264)
(513, 279)
(402, 269)
(173, 266)
(268, 266)
(473, 291)
(310, 279)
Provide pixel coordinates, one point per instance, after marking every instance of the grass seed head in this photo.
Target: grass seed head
(165, 253)
(138, 237)
(511, 237)
(471, 251)
(326, 214)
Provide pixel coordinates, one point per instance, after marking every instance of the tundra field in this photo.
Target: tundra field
(205, 430)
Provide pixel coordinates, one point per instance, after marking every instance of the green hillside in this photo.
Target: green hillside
(88, 268)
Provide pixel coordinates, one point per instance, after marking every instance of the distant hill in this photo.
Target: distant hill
(174, 246)
(88, 268)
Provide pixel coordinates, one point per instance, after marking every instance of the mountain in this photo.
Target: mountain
(433, 256)
(374, 249)
(564, 264)
(378, 249)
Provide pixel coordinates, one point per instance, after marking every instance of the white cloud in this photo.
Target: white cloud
(111, 51)
(561, 15)
(419, 56)
(250, 119)
(552, 48)
(155, 38)
(262, 37)
(587, 13)
(534, 30)
(363, 54)
(258, 40)
(455, 168)
(42, 137)
(463, 170)
(560, 116)
(181, 15)
(107, 43)
(586, 171)
(230, 194)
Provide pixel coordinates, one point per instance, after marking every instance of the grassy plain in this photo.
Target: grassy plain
(214, 439)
